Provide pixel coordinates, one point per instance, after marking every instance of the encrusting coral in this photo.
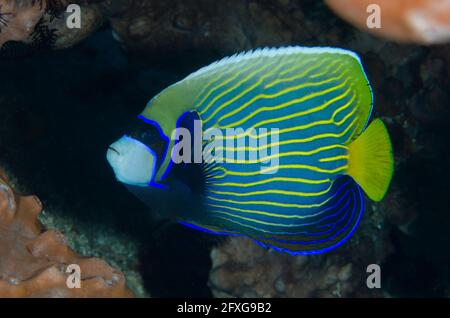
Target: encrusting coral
(43, 23)
(416, 21)
(18, 18)
(34, 263)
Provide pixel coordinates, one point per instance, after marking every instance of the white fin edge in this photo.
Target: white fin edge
(267, 52)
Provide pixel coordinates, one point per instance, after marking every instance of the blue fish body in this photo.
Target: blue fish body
(313, 106)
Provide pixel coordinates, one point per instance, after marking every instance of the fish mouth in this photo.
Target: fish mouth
(114, 150)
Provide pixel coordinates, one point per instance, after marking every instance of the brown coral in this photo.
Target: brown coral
(417, 21)
(92, 17)
(18, 18)
(34, 263)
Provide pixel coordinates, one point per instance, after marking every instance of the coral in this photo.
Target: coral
(18, 19)
(416, 21)
(94, 13)
(43, 23)
(33, 263)
(91, 18)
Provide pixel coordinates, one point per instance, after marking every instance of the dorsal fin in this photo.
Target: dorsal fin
(267, 52)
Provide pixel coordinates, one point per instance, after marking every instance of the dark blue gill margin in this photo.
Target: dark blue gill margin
(165, 137)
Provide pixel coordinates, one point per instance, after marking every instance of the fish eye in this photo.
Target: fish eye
(149, 134)
(146, 133)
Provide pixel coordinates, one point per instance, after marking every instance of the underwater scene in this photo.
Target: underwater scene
(224, 149)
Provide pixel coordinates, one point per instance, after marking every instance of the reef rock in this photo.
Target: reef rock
(416, 21)
(242, 268)
(43, 23)
(180, 27)
(37, 263)
(19, 18)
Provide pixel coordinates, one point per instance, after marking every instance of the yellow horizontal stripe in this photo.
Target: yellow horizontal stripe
(294, 141)
(273, 191)
(257, 212)
(276, 179)
(335, 158)
(247, 133)
(284, 154)
(295, 166)
(271, 203)
(279, 155)
(253, 220)
(265, 159)
(253, 228)
(244, 225)
(275, 215)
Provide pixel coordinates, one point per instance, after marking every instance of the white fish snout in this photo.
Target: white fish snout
(132, 161)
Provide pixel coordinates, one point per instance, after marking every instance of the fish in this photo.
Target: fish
(293, 173)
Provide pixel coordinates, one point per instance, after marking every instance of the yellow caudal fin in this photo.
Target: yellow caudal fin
(371, 162)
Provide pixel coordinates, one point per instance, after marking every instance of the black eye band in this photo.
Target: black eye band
(149, 135)
(144, 132)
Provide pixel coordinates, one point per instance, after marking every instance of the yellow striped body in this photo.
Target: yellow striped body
(318, 101)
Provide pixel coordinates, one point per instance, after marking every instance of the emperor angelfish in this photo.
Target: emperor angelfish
(308, 107)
